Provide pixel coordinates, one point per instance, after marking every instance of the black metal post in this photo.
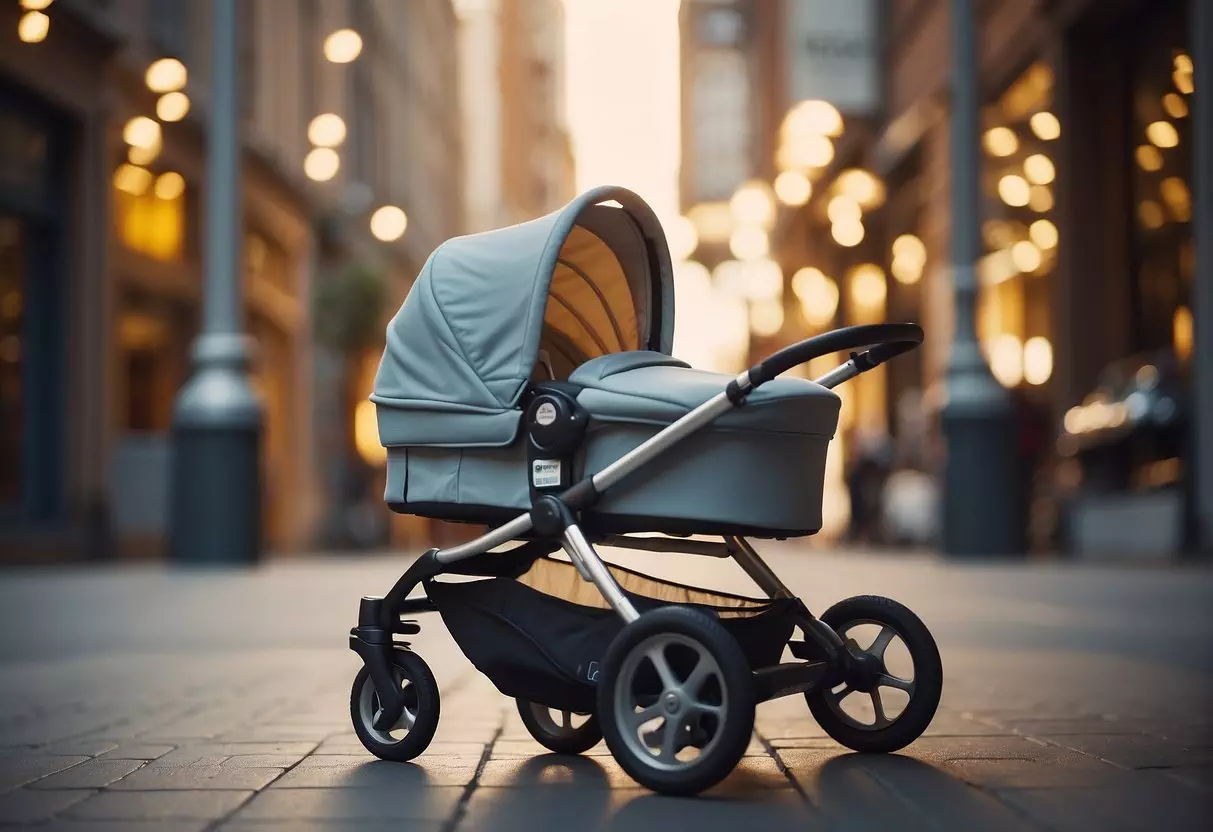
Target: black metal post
(981, 506)
(215, 505)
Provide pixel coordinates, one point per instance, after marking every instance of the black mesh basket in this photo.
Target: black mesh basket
(542, 636)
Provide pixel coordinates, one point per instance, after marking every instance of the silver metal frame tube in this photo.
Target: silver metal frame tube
(754, 566)
(588, 562)
(841, 373)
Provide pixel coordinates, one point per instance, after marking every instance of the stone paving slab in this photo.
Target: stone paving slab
(419, 801)
(32, 806)
(210, 804)
(366, 772)
(197, 777)
(91, 774)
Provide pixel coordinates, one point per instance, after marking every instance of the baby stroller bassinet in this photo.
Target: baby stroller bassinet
(528, 385)
(580, 304)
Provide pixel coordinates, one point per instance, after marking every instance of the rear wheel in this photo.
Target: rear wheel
(418, 721)
(563, 732)
(893, 688)
(676, 700)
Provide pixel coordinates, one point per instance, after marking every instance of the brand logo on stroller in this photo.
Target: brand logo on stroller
(591, 672)
(546, 414)
(545, 473)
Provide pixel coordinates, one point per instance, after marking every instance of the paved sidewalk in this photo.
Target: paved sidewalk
(141, 698)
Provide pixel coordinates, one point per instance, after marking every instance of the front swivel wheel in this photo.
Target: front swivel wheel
(891, 681)
(676, 700)
(418, 721)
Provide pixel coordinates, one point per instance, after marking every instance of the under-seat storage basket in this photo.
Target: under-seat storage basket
(542, 637)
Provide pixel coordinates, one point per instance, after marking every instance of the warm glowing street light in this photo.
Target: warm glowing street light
(844, 208)
(1045, 125)
(1013, 190)
(321, 164)
(33, 27)
(166, 75)
(818, 295)
(868, 288)
(141, 132)
(862, 187)
(342, 46)
(812, 118)
(793, 188)
(388, 223)
(172, 106)
(1163, 134)
(132, 179)
(847, 234)
(752, 204)
(326, 130)
(1001, 141)
(169, 185)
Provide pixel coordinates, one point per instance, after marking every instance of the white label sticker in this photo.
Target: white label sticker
(546, 414)
(545, 473)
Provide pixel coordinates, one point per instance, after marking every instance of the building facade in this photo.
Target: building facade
(519, 161)
(1089, 303)
(101, 228)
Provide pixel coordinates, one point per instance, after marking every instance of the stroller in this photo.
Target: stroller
(527, 385)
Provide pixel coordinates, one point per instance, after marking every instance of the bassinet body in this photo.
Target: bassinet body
(584, 297)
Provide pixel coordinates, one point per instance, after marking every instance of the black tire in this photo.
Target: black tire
(725, 733)
(421, 700)
(928, 677)
(557, 738)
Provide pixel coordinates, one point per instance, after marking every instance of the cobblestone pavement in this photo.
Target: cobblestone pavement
(142, 698)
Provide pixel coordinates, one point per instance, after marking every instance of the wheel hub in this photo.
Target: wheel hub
(671, 703)
(863, 669)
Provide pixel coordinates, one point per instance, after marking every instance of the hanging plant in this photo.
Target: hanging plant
(348, 309)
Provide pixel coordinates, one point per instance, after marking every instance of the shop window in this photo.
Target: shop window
(1018, 230)
(1161, 182)
(149, 212)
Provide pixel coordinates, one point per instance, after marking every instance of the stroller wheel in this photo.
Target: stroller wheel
(676, 700)
(889, 695)
(415, 728)
(563, 732)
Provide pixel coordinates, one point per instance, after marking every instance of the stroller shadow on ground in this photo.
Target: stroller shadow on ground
(883, 791)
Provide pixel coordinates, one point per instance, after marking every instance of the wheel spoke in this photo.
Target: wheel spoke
(704, 708)
(657, 657)
(647, 715)
(882, 642)
(840, 695)
(407, 718)
(878, 709)
(670, 742)
(566, 720)
(887, 680)
(704, 668)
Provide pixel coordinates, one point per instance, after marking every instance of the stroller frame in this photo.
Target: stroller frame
(825, 658)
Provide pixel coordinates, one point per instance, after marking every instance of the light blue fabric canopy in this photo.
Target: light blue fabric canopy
(590, 279)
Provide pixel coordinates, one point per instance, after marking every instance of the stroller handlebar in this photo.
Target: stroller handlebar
(886, 341)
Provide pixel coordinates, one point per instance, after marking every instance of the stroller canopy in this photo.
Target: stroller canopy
(587, 280)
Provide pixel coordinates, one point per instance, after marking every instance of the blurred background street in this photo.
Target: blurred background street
(800, 153)
(242, 193)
